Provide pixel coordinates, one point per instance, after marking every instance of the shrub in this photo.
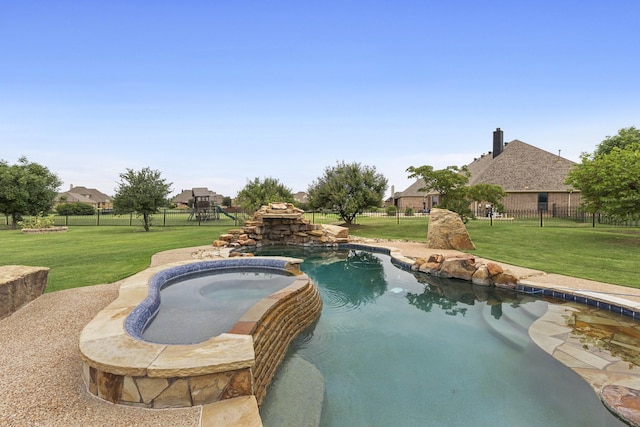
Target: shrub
(392, 211)
(75, 208)
(39, 221)
(408, 211)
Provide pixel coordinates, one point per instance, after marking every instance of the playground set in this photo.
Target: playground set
(204, 209)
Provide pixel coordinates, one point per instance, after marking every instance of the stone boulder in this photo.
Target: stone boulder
(460, 267)
(447, 231)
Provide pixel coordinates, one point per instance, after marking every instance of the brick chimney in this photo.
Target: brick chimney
(498, 142)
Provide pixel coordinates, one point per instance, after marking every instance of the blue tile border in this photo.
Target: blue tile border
(143, 313)
(569, 296)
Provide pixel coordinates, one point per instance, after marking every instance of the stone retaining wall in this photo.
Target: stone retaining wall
(19, 285)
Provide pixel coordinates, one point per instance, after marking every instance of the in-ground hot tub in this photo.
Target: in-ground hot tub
(122, 366)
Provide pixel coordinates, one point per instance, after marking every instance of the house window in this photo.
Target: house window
(543, 202)
(434, 201)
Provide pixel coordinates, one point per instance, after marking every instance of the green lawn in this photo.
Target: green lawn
(89, 255)
(604, 253)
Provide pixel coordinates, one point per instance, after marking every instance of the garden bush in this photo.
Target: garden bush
(75, 208)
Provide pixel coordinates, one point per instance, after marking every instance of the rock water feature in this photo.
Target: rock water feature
(282, 224)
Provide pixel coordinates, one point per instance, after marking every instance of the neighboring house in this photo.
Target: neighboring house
(182, 199)
(91, 196)
(533, 179)
(300, 197)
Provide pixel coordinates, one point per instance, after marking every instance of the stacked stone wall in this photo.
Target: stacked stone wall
(19, 285)
(273, 336)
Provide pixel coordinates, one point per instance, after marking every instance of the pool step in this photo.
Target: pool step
(510, 324)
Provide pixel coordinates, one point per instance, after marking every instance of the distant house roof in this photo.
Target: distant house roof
(84, 195)
(412, 190)
(300, 197)
(520, 167)
(183, 197)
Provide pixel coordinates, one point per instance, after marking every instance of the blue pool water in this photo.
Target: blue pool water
(197, 306)
(398, 348)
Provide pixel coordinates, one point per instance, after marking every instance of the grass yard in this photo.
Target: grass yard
(93, 255)
(604, 253)
(89, 255)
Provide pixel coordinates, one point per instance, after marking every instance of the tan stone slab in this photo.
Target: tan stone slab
(599, 379)
(257, 311)
(545, 342)
(107, 323)
(150, 388)
(541, 326)
(584, 356)
(226, 352)
(177, 395)
(120, 354)
(625, 368)
(570, 361)
(130, 296)
(238, 412)
(9, 273)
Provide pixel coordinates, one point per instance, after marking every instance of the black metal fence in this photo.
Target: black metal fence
(175, 217)
(166, 218)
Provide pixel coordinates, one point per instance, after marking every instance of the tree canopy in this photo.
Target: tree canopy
(258, 193)
(625, 137)
(453, 190)
(141, 192)
(348, 188)
(26, 188)
(609, 179)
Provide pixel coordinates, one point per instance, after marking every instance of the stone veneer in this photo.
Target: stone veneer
(123, 369)
(19, 285)
(282, 224)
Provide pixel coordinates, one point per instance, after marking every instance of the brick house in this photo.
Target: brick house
(534, 180)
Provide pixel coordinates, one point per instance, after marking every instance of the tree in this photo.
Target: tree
(625, 137)
(26, 188)
(450, 184)
(490, 193)
(610, 181)
(226, 201)
(349, 189)
(141, 192)
(258, 193)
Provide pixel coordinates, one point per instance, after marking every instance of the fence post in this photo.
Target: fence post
(164, 218)
(98, 220)
(130, 219)
(540, 218)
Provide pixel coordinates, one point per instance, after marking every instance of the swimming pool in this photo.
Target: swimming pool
(406, 349)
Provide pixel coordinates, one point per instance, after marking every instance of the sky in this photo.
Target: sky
(217, 93)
